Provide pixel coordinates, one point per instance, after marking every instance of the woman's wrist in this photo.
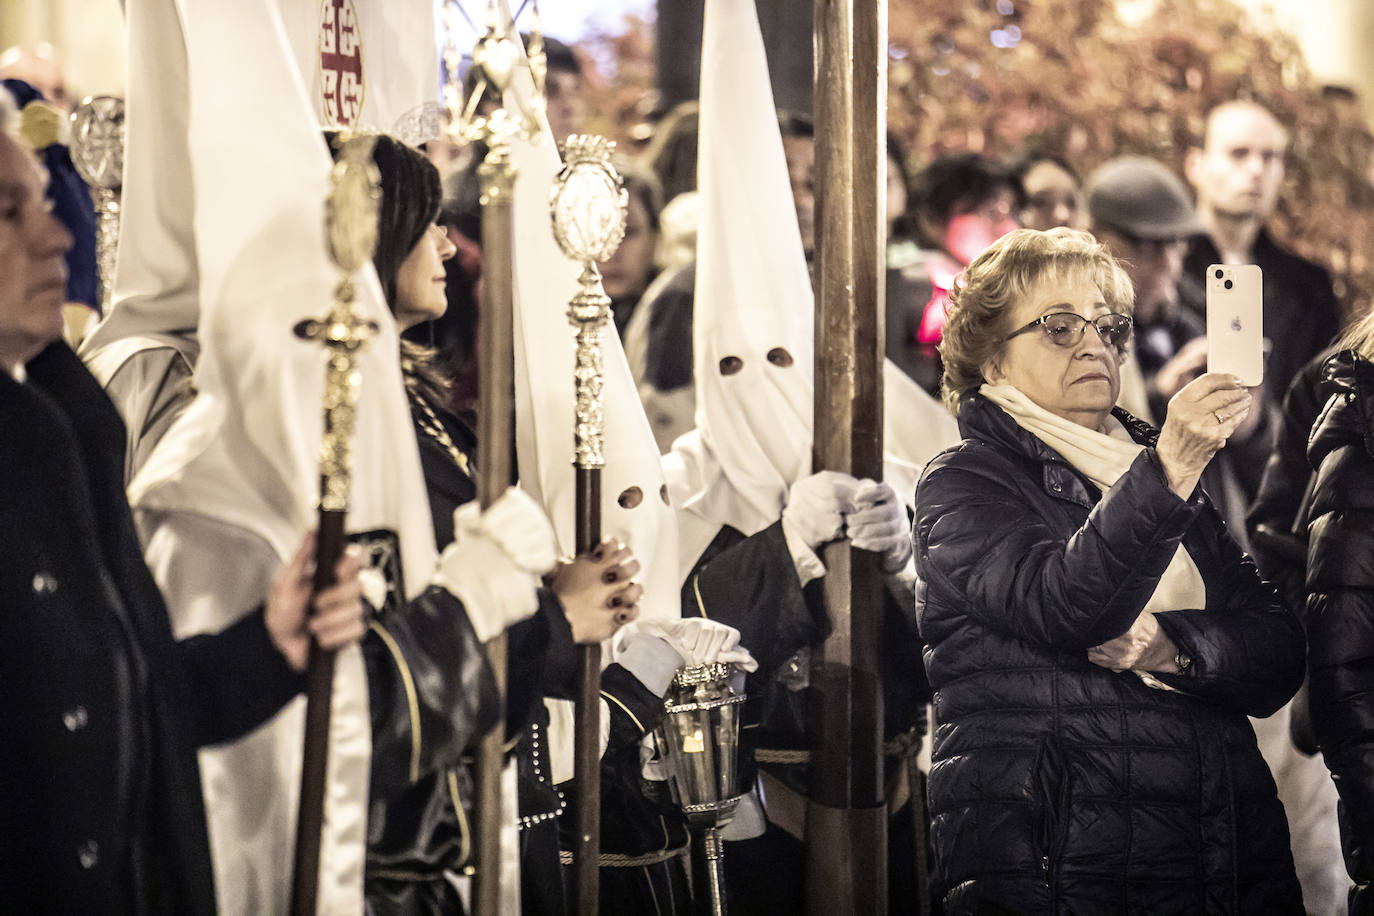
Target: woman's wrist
(1180, 480)
(1161, 656)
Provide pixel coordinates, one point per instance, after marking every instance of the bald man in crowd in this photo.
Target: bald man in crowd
(41, 67)
(1237, 174)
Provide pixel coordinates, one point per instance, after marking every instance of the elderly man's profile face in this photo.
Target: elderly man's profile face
(1240, 168)
(33, 276)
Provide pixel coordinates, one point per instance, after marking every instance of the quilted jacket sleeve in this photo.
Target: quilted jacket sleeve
(1280, 552)
(1247, 645)
(981, 537)
(431, 690)
(1340, 622)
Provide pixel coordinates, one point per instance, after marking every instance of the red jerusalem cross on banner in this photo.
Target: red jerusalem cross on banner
(341, 63)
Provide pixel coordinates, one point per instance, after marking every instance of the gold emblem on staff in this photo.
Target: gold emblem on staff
(588, 202)
(350, 211)
(351, 237)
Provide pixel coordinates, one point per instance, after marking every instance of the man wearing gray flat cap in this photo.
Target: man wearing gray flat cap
(1142, 212)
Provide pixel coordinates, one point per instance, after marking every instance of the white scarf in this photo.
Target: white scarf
(1103, 456)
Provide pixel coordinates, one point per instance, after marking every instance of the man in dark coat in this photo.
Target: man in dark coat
(1237, 174)
(100, 797)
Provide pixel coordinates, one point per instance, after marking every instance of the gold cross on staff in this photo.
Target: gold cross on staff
(351, 231)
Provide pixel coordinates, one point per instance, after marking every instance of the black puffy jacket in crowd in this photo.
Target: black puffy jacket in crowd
(1340, 605)
(1057, 786)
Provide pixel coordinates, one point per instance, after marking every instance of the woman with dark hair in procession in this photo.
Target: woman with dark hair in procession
(419, 829)
(1095, 636)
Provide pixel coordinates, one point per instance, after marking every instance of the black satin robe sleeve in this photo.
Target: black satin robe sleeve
(751, 584)
(432, 691)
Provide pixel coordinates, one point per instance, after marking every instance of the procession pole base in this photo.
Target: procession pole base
(848, 876)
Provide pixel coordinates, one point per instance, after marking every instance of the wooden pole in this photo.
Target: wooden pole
(582, 188)
(495, 472)
(305, 875)
(846, 823)
(587, 716)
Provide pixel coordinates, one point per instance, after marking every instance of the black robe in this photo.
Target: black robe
(751, 584)
(420, 829)
(100, 796)
(417, 836)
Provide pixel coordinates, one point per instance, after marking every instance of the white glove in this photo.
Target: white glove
(497, 573)
(654, 650)
(703, 642)
(647, 656)
(816, 506)
(878, 522)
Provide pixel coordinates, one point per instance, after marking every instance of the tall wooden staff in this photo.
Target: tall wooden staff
(846, 822)
(496, 57)
(495, 470)
(588, 211)
(351, 230)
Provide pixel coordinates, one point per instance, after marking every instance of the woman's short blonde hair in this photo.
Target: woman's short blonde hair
(984, 296)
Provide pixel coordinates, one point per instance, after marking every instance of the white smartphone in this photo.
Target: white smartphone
(1235, 321)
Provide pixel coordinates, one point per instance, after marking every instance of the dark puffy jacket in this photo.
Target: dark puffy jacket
(1057, 786)
(1340, 605)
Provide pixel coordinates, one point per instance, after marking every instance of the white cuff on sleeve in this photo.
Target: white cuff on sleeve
(808, 564)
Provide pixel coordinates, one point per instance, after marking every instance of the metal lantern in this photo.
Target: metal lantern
(699, 740)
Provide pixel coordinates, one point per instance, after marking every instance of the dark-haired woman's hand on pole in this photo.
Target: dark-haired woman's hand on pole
(1202, 416)
(596, 591)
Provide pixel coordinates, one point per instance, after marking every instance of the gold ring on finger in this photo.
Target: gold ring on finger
(1220, 418)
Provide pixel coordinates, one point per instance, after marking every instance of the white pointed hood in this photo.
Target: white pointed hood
(754, 315)
(245, 454)
(752, 323)
(633, 506)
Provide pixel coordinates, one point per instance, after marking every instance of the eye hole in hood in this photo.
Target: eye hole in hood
(729, 365)
(779, 356)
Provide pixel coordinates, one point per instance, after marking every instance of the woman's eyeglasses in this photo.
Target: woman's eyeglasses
(1065, 329)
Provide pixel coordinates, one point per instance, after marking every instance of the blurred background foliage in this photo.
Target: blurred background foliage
(1088, 79)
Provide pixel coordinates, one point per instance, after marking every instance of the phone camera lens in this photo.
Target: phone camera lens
(1219, 274)
(1228, 284)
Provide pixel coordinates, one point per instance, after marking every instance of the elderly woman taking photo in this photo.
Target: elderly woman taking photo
(1095, 637)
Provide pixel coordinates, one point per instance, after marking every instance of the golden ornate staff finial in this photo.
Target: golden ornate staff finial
(350, 236)
(495, 60)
